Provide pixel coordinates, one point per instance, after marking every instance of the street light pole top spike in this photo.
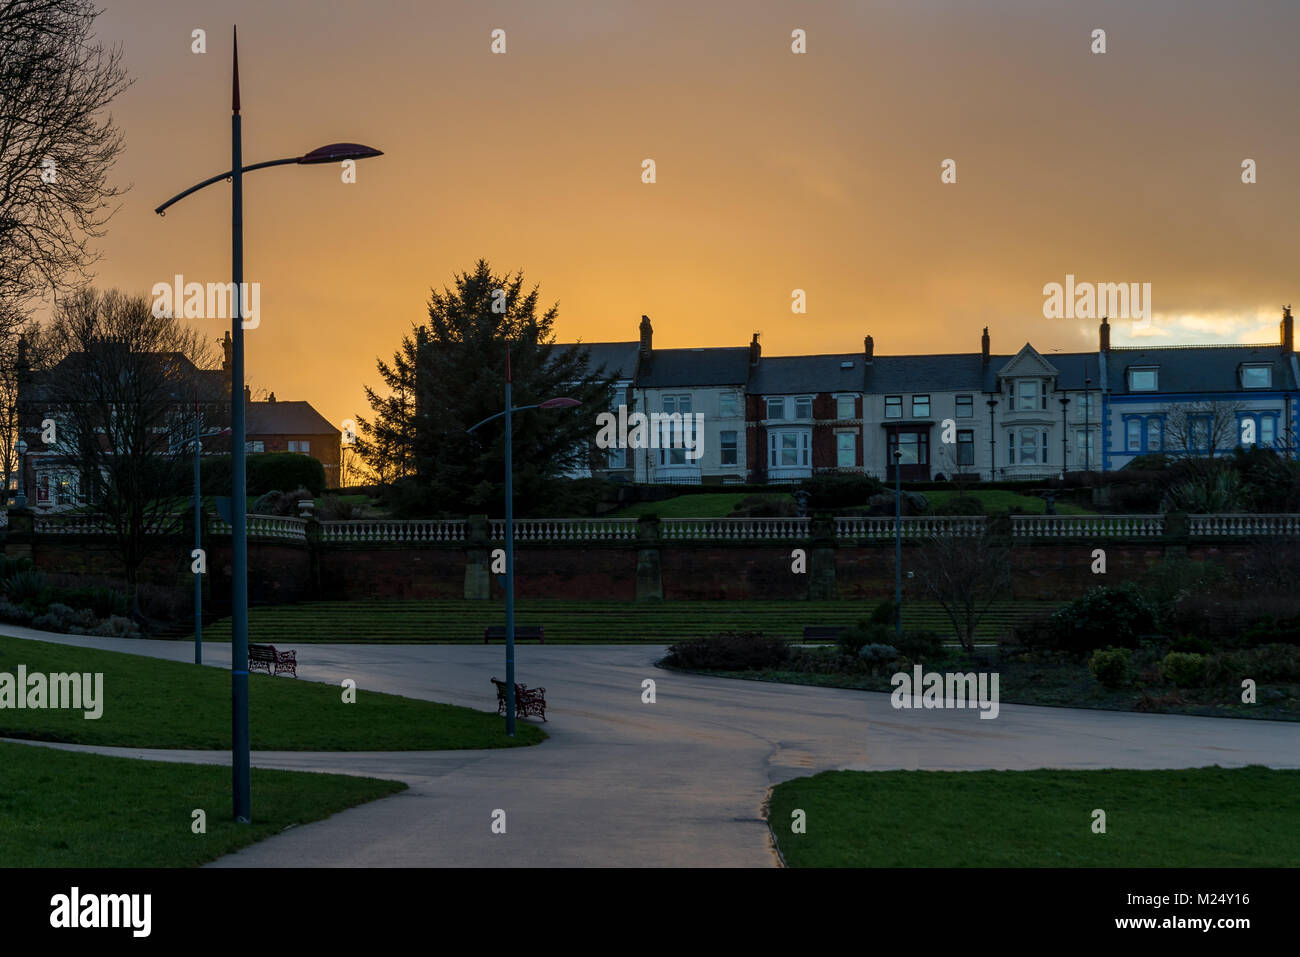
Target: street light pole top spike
(234, 90)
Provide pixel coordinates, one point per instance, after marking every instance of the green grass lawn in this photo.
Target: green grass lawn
(70, 809)
(1206, 817)
(605, 622)
(997, 500)
(150, 703)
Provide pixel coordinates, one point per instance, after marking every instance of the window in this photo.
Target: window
(920, 406)
(673, 456)
(1268, 431)
(1088, 405)
(1143, 379)
(846, 449)
(255, 446)
(776, 409)
(1258, 428)
(1011, 448)
(965, 445)
(1044, 448)
(845, 407)
(1201, 433)
(803, 407)
(617, 459)
(788, 449)
(965, 406)
(677, 403)
(1028, 449)
(1026, 395)
(1256, 377)
(893, 406)
(1083, 445)
(728, 405)
(1133, 435)
(1155, 437)
(302, 446)
(727, 445)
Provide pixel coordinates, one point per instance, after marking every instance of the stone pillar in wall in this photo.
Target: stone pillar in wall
(21, 533)
(821, 558)
(313, 557)
(1176, 535)
(649, 578)
(478, 578)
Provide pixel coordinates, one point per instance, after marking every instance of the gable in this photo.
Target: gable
(1028, 362)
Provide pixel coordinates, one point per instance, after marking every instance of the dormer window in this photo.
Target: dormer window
(1143, 379)
(1257, 377)
(1030, 394)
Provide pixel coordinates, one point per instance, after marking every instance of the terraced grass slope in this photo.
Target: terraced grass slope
(410, 621)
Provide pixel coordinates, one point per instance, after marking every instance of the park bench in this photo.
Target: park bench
(528, 701)
(266, 657)
(822, 632)
(521, 631)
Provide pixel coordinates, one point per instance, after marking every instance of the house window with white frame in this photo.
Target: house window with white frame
(803, 407)
(776, 408)
(846, 450)
(893, 406)
(1027, 395)
(845, 407)
(300, 445)
(1143, 379)
(1257, 376)
(727, 448)
(788, 449)
(728, 405)
(677, 403)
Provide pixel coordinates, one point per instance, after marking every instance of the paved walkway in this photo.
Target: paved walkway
(680, 782)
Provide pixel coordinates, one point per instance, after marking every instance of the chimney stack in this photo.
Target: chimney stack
(248, 394)
(1104, 331)
(271, 397)
(754, 351)
(647, 338)
(1288, 330)
(869, 348)
(984, 345)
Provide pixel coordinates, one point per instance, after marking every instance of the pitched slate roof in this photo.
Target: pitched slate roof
(965, 370)
(787, 375)
(1198, 368)
(683, 368)
(286, 418)
(618, 358)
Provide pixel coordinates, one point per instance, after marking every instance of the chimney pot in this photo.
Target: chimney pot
(984, 345)
(1288, 330)
(755, 352)
(1104, 334)
(869, 348)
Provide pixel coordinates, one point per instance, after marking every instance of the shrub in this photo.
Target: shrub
(280, 503)
(1218, 491)
(14, 614)
(12, 566)
(876, 656)
(865, 633)
(264, 471)
(116, 626)
(28, 588)
(1174, 579)
(1184, 669)
(829, 492)
(60, 617)
(729, 651)
(1115, 615)
(1270, 631)
(102, 601)
(1110, 666)
(1190, 644)
(920, 646)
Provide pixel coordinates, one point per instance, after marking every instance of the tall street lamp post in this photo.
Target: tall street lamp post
(1087, 430)
(510, 533)
(334, 153)
(1065, 430)
(898, 540)
(993, 433)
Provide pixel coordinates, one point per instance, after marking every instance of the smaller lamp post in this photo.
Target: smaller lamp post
(993, 433)
(1065, 431)
(20, 500)
(562, 403)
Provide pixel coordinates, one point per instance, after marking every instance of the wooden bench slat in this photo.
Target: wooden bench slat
(267, 657)
(528, 701)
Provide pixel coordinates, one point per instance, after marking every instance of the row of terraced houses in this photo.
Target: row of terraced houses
(1003, 416)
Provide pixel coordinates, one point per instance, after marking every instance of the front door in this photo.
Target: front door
(914, 443)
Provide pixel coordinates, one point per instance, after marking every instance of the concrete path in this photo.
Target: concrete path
(680, 782)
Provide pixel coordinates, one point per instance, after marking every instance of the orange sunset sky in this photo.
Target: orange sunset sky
(775, 171)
